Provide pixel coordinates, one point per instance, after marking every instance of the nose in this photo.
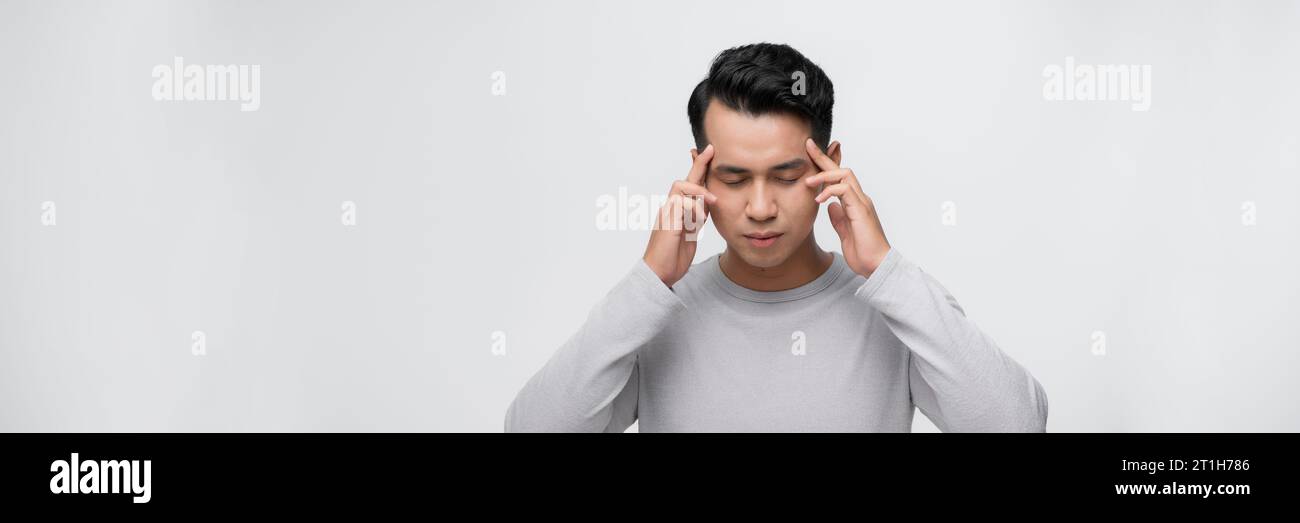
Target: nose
(761, 206)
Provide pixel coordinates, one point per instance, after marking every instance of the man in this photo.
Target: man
(774, 334)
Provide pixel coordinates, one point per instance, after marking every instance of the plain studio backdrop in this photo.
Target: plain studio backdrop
(1141, 264)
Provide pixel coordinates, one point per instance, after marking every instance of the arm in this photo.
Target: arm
(590, 383)
(958, 376)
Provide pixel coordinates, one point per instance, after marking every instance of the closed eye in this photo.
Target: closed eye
(784, 181)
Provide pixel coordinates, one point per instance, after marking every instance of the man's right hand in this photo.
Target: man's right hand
(672, 242)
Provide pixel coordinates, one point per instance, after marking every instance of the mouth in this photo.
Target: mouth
(763, 239)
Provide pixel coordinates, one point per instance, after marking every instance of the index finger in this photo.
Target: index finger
(820, 158)
(700, 166)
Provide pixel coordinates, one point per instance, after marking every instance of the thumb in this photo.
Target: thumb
(685, 255)
(838, 219)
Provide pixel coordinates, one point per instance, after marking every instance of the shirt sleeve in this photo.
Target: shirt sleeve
(591, 383)
(958, 377)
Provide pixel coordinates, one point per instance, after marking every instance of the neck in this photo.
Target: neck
(804, 265)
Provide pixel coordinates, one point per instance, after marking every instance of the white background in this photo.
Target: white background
(476, 213)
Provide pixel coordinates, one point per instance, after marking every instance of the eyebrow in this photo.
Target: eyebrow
(732, 169)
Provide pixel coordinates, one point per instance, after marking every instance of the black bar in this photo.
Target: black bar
(336, 470)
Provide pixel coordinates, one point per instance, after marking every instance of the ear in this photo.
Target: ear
(834, 152)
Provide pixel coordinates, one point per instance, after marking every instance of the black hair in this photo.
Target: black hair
(758, 79)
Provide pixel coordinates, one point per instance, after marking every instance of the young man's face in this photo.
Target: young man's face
(757, 173)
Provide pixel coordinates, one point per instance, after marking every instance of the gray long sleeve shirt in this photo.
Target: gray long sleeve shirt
(842, 353)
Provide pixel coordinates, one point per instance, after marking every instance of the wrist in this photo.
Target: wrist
(662, 275)
(873, 262)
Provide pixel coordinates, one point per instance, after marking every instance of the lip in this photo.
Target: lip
(763, 239)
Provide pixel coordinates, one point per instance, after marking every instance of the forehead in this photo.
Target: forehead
(754, 141)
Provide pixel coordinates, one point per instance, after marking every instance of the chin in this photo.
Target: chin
(762, 260)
